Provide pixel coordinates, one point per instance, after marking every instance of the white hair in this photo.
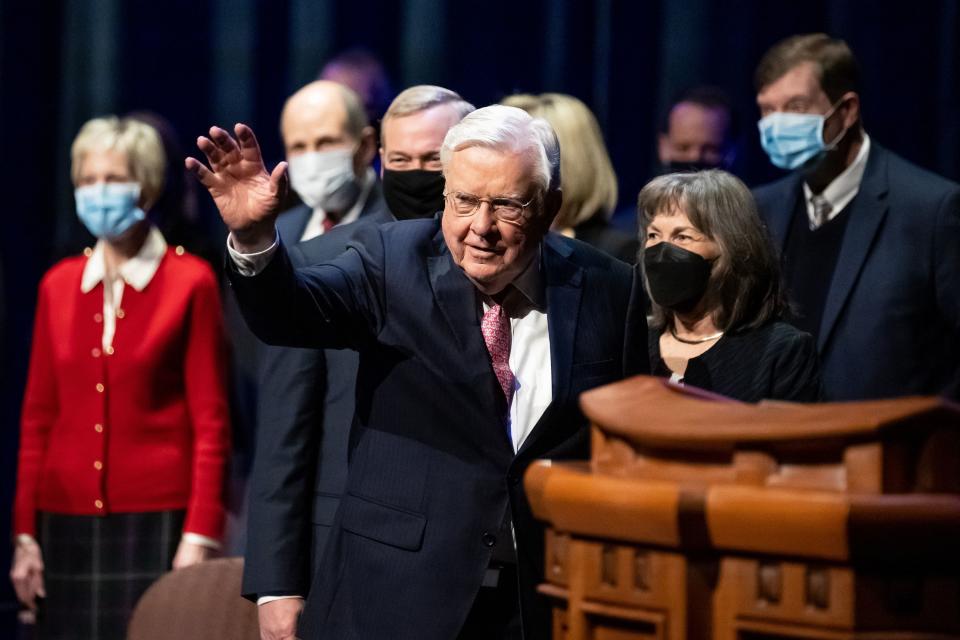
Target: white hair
(511, 130)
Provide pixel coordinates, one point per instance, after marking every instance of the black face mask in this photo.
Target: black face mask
(676, 166)
(413, 194)
(677, 278)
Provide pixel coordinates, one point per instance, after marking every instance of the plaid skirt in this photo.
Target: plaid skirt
(97, 567)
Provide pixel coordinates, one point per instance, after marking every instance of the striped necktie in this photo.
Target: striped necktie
(821, 210)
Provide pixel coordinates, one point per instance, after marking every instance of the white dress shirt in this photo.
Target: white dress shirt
(315, 227)
(841, 191)
(530, 360)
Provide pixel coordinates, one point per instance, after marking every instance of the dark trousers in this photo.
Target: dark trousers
(495, 614)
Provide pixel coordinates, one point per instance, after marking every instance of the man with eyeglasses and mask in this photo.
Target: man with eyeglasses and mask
(870, 242)
(307, 395)
(477, 332)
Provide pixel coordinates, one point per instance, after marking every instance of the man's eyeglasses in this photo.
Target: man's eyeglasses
(509, 210)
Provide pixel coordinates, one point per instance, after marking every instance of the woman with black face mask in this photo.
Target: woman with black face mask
(718, 300)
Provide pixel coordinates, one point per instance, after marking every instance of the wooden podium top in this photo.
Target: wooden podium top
(647, 428)
(653, 412)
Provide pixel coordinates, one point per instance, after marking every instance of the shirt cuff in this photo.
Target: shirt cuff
(265, 599)
(250, 264)
(24, 539)
(203, 541)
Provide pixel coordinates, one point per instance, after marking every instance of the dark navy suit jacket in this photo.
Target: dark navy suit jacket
(305, 409)
(432, 473)
(891, 322)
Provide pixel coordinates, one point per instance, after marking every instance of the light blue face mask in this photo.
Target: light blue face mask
(793, 139)
(108, 210)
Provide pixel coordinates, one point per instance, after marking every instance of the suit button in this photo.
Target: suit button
(488, 539)
(98, 504)
(108, 350)
(95, 352)
(97, 465)
(98, 428)
(98, 317)
(100, 387)
(120, 314)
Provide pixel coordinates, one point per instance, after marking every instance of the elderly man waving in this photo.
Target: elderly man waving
(476, 333)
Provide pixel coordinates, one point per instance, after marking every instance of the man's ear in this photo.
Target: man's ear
(851, 108)
(366, 151)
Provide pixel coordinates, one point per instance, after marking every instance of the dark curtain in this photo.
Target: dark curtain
(200, 62)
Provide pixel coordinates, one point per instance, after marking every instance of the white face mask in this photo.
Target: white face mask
(325, 179)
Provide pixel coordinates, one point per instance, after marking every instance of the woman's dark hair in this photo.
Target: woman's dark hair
(745, 289)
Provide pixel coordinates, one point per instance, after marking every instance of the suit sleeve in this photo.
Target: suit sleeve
(333, 305)
(40, 410)
(946, 264)
(289, 423)
(205, 366)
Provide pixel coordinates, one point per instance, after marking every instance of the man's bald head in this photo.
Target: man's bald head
(322, 114)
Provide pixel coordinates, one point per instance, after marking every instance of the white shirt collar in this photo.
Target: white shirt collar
(137, 272)
(314, 225)
(841, 191)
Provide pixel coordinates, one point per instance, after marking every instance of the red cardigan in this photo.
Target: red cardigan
(143, 428)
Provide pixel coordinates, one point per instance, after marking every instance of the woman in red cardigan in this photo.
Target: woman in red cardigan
(124, 431)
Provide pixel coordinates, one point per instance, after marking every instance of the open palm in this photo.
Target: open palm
(247, 196)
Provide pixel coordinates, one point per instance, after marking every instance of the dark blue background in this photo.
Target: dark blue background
(200, 62)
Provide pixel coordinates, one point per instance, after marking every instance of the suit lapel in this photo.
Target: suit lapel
(455, 297)
(374, 206)
(867, 211)
(563, 280)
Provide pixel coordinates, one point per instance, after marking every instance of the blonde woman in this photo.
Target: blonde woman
(124, 431)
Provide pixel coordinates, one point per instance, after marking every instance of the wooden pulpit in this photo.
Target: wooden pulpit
(699, 517)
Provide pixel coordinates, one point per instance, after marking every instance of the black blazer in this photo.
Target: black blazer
(305, 408)
(774, 362)
(891, 322)
(432, 472)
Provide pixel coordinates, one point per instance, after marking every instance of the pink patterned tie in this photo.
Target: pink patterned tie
(496, 333)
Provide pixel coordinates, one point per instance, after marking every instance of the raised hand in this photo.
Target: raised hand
(247, 196)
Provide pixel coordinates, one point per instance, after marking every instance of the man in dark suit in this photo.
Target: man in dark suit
(477, 333)
(870, 242)
(307, 395)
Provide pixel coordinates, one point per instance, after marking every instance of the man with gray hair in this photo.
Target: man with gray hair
(306, 402)
(477, 332)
